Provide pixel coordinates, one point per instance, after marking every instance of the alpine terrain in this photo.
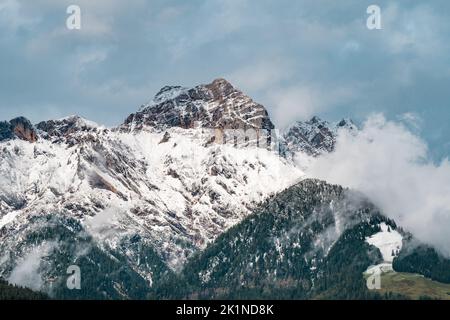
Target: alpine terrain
(195, 195)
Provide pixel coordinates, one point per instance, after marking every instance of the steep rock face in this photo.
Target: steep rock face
(18, 127)
(23, 129)
(132, 204)
(66, 126)
(315, 136)
(71, 130)
(306, 241)
(5, 131)
(151, 182)
(215, 105)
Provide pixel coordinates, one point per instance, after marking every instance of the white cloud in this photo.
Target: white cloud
(293, 103)
(389, 164)
(261, 75)
(106, 224)
(301, 102)
(412, 119)
(27, 272)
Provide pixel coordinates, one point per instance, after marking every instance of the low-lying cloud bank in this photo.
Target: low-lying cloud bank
(389, 164)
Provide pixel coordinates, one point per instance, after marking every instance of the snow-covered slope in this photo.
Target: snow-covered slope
(156, 177)
(388, 241)
(133, 203)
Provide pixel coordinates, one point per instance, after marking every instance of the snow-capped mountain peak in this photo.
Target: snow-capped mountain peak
(164, 184)
(66, 126)
(346, 123)
(215, 105)
(167, 93)
(314, 136)
(147, 195)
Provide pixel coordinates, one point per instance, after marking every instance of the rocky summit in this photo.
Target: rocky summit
(152, 184)
(214, 105)
(149, 206)
(18, 127)
(315, 136)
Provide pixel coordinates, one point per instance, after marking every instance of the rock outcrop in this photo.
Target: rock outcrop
(18, 127)
(217, 105)
(315, 136)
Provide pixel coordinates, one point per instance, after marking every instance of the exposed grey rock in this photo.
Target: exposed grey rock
(215, 105)
(315, 136)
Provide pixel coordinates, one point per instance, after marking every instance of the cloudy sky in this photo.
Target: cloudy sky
(298, 58)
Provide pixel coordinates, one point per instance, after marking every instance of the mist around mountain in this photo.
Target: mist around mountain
(196, 195)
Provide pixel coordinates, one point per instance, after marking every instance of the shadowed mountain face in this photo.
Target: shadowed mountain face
(152, 185)
(18, 128)
(10, 292)
(215, 105)
(308, 240)
(152, 204)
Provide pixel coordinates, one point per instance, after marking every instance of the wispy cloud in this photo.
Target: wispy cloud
(390, 165)
(28, 271)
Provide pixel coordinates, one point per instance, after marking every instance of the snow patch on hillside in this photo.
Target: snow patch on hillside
(388, 241)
